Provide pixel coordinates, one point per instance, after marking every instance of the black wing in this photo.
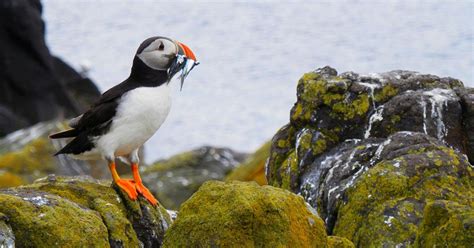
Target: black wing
(94, 122)
(100, 113)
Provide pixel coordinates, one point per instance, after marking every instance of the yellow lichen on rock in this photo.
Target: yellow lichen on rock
(244, 214)
(80, 212)
(339, 242)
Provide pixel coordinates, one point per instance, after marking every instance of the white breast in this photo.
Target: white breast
(140, 113)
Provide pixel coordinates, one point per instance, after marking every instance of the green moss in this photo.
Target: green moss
(119, 228)
(339, 242)
(245, 215)
(297, 113)
(253, 169)
(387, 92)
(446, 224)
(361, 147)
(319, 146)
(310, 76)
(280, 155)
(385, 207)
(56, 222)
(115, 211)
(394, 119)
(313, 90)
(348, 110)
(289, 171)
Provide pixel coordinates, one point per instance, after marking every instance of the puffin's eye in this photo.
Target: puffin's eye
(161, 47)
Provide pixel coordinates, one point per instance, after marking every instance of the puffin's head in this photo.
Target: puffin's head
(164, 54)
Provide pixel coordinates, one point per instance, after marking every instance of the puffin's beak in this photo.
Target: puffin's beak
(187, 51)
(185, 61)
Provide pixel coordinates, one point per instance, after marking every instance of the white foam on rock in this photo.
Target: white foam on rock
(439, 101)
(37, 200)
(376, 116)
(371, 88)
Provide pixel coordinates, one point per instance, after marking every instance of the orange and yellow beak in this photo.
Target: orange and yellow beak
(187, 51)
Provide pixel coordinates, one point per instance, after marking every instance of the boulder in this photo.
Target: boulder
(244, 214)
(385, 204)
(174, 180)
(34, 85)
(406, 133)
(78, 211)
(253, 168)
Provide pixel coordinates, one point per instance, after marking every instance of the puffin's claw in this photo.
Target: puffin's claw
(146, 193)
(128, 186)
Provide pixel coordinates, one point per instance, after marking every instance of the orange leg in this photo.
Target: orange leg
(140, 187)
(126, 185)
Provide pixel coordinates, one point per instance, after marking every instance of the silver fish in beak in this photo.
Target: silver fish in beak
(185, 61)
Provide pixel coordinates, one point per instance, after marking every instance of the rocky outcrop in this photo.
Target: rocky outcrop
(34, 85)
(253, 168)
(372, 154)
(79, 212)
(242, 214)
(174, 180)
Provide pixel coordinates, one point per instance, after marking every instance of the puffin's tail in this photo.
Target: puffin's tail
(64, 134)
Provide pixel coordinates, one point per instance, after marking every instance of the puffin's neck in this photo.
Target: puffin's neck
(146, 76)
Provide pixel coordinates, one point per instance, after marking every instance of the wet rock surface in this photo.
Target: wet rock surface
(79, 211)
(370, 153)
(34, 85)
(174, 180)
(244, 214)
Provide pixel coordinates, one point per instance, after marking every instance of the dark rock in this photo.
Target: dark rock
(467, 102)
(174, 180)
(367, 150)
(9, 121)
(32, 82)
(79, 86)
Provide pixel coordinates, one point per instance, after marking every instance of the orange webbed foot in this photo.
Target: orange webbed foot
(129, 187)
(141, 189)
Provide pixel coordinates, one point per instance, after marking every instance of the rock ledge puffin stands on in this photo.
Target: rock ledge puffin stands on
(127, 115)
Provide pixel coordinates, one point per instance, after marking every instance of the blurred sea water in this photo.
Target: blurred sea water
(253, 53)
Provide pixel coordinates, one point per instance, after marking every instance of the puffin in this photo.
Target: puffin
(128, 114)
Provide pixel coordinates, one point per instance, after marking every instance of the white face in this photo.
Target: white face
(159, 54)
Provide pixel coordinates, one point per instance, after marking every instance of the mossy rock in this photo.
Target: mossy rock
(446, 224)
(339, 242)
(349, 106)
(80, 212)
(244, 214)
(391, 203)
(175, 179)
(46, 220)
(253, 168)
